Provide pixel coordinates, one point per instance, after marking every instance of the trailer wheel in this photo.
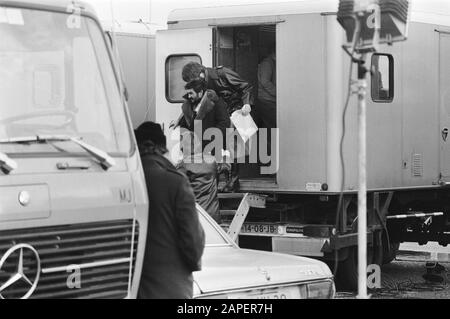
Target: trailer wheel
(390, 254)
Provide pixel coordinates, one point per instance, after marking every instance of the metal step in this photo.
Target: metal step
(231, 195)
(246, 201)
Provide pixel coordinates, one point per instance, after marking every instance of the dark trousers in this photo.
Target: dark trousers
(266, 114)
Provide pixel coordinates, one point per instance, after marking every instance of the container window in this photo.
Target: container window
(382, 78)
(174, 83)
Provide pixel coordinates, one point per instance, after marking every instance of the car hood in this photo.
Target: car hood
(230, 268)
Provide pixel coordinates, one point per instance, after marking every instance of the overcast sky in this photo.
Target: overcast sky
(156, 11)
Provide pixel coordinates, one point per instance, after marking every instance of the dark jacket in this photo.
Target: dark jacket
(202, 175)
(175, 238)
(213, 114)
(235, 91)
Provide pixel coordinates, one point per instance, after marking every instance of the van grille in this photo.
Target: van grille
(100, 253)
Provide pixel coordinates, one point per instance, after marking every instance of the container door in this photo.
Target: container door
(444, 70)
(175, 48)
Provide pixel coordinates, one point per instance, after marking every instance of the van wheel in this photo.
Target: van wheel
(390, 254)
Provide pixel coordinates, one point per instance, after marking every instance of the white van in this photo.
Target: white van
(408, 104)
(73, 198)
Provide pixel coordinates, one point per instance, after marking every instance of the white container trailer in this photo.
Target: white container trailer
(408, 151)
(135, 44)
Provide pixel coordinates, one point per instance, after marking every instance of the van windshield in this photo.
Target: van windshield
(56, 78)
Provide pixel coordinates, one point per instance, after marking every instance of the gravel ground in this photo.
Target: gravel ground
(403, 279)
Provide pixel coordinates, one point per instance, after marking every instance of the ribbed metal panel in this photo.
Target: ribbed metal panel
(102, 252)
(417, 165)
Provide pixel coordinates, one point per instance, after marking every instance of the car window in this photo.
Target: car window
(213, 237)
(382, 78)
(57, 79)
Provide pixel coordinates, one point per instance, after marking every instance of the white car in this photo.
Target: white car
(229, 272)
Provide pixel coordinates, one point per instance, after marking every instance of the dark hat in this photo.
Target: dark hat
(150, 131)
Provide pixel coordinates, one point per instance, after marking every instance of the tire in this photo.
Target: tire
(390, 254)
(347, 274)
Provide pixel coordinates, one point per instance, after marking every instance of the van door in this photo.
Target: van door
(175, 48)
(444, 93)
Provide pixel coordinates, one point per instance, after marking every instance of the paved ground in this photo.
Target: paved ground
(403, 278)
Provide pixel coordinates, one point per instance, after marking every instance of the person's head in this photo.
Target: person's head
(193, 71)
(195, 90)
(151, 134)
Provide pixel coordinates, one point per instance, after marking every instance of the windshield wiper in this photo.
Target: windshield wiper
(7, 164)
(105, 160)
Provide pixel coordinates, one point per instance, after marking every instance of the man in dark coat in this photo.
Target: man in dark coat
(205, 106)
(175, 238)
(236, 92)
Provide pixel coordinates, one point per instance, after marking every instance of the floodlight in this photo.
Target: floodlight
(382, 21)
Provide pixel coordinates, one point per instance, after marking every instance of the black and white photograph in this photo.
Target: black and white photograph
(242, 151)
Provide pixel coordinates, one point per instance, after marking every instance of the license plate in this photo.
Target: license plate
(277, 293)
(259, 229)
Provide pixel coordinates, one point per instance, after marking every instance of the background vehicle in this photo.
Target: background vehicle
(229, 272)
(73, 200)
(135, 42)
(408, 118)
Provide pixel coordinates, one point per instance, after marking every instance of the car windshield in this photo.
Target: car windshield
(213, 237)
(56, 78)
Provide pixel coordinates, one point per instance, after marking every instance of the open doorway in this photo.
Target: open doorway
(250, 51)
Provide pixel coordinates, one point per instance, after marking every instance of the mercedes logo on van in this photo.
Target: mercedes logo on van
(18, 278)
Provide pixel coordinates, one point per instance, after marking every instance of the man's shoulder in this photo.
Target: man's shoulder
(160, 164)
(170, 177)
(223, 70)
(212, 95)
(175, 173)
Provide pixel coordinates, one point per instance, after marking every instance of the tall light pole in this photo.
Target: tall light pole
(362, 21)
